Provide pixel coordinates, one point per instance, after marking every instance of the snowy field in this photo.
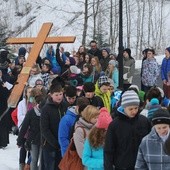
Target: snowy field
(10, 155)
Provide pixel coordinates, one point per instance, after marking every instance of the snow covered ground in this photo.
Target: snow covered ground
(10, 155)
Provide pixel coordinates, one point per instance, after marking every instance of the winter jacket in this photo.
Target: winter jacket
(65, 127)
(115, 78)
(22, 110)
(92, 158)
(31, 121)
(96, 52)
(165, 68)
(86, 78)
(78, 135)
(123, 138)
(104, 96)
(49, 123)
(151, 155)
(150, 72)
(128, 70)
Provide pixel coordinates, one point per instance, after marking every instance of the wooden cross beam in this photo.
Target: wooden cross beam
(33, 55)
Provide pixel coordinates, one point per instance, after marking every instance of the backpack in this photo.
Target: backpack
(71, 159)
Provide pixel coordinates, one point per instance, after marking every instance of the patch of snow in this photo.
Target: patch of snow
(10, 155)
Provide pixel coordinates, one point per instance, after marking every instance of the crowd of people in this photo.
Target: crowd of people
(76, 96)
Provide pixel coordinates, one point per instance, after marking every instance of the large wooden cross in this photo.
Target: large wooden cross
(35, 51)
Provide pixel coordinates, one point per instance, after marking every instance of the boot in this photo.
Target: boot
(21, 166)
(27, 167)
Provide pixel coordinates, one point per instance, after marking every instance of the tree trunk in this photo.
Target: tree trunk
(85, 25)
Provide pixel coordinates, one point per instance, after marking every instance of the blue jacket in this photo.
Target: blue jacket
(165, 68)
(65, 127)
(92, 158)
(56, 68)
(115, 78)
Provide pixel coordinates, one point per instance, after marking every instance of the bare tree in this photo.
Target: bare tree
(85, 25)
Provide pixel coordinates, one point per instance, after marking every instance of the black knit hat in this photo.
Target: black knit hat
(161, 116)
(89, 87)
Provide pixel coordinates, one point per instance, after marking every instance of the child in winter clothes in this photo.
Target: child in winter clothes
(124, 134)
(93, 148)
(151, 155)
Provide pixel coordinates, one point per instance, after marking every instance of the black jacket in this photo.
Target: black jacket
(123, 138)
(97, 53)
(31, 122)
(49, 122)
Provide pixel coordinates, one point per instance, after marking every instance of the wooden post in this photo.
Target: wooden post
(38, 43)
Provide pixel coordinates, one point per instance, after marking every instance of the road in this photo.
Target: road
(137, 79)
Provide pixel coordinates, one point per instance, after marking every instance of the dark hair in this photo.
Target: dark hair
(93, 41)
(89, 87)
(39, 98)
(154, 92)
(56, 88)
(71, 91)
(151, 50)
(58, 80)
(82, 103)
(48, 66)
(145, 51)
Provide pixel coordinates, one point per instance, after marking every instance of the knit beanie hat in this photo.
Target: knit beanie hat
(104, 119)
(113, 62)
(22, 51)
(168, 49)
(130, 98)
(161, 116)
(89, 87)
(128, 50)
(152, 107)
(75, 70)
(107, 50)
(103, 80)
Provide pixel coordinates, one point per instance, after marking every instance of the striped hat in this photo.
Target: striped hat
(130, 98)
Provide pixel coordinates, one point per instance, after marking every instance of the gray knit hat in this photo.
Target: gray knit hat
(130, 98)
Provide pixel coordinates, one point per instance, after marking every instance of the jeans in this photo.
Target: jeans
(35, 149)
(51, 159)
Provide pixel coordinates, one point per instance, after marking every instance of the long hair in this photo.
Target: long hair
(97, 137)
(90, 112)
(98, 65)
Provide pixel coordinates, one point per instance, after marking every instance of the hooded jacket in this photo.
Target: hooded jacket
(51, 115)
(104, 96)
(65, 127)
(123, 138)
